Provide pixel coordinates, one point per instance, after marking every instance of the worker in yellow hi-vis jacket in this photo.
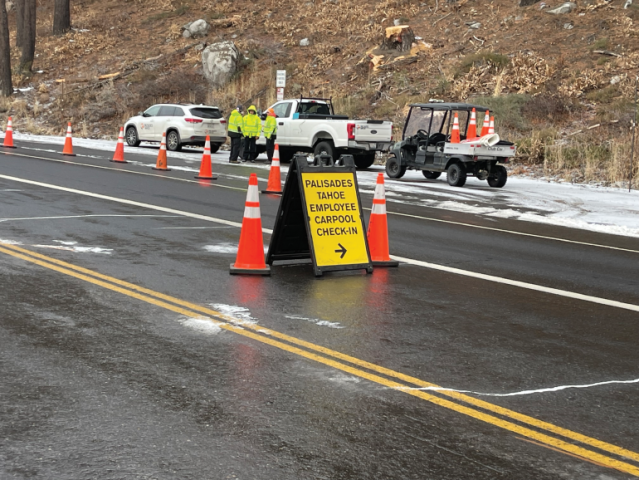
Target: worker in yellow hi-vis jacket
(235, 133)
(251, 126)
(270, 132)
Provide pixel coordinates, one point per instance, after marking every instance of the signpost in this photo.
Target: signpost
(320, 218)
(280, 83)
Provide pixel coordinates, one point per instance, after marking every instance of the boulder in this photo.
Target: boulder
(305, 42)
(196, 29)
(563, 8)
(220, 62)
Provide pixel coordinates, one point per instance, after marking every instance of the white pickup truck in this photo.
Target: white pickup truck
(310, 125)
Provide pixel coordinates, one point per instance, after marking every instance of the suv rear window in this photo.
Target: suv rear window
(201, 112)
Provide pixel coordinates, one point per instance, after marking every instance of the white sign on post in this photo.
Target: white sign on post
(280, 94)
(280, 78)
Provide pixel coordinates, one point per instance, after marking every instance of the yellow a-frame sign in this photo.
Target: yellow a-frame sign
(320, 217)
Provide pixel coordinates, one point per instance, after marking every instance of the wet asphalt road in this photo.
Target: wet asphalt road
(97, 383)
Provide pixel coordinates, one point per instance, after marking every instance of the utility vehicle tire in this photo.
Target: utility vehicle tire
(132, 139)
(499, 178)
(325, 147)
(173, 141)
(456, 175)
(215, 147)
(394, 169)
(286, 155)
(431, 175)
(362, 162)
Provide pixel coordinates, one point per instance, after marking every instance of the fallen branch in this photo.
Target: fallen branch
(606, 52)
(447, 15)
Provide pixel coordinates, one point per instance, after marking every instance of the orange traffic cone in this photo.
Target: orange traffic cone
(378, 228)
(274, 179)
(454, 136)
(491, 128)
(8, 135)
(118, 157)
(161, 162)
(472, 126)
(484, 126)
(68, 143)
(250, 254)
(206, 169)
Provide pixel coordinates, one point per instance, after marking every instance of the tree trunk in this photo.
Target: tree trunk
(28, 37)
(19, 22)
(62, 17)
(6, 88)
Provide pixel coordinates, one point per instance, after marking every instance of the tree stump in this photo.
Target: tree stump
(399, 38)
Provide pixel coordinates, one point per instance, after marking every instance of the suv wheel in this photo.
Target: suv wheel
(394, 169)
(431, 175)
(173, 141)
(499, 177)
(456, 175)
(132, 139)
(215, 147)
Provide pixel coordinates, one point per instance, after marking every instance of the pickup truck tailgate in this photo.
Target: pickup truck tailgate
(373, 131)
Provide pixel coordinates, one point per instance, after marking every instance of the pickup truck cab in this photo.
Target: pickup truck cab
(426, 146)
(310, 125)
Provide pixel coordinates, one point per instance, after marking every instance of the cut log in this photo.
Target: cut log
(399, 38)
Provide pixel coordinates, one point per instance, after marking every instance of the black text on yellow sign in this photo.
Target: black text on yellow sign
(337, 230)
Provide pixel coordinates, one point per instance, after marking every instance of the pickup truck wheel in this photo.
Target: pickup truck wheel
(394, 169)
(362, 162)
(132, 138)
(286, 155)
(500, 175)
(325, 147)
(431, 175)
(456, 175)
(215, 147)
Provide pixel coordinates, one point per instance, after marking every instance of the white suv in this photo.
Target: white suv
(183, 124)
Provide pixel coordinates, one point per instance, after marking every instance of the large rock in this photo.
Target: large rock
(199, 28)
(563, 8)
(220, 62)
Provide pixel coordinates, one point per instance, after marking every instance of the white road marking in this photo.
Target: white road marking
(63, 217)
(516, 283)
(457, 271)
(523, 392)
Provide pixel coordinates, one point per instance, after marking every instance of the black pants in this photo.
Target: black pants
(236, 143)
(250, 151)
(270, 147)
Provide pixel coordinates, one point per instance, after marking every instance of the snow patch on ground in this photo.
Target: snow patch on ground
(225, 248)
(74, 247)
(10, 242)
(234, 312)
(203, 325)
(321, 323)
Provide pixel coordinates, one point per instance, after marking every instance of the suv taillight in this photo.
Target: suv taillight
(222, 120)
(193, 120)
(350, 129)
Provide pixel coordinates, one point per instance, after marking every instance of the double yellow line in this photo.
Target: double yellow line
(545, 433)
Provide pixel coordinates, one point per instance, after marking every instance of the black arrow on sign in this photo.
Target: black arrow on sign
(341, 249)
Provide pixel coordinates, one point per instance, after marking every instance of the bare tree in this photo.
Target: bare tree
(62, 17)
(6, 88)
(19, 22)
(28, 36)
